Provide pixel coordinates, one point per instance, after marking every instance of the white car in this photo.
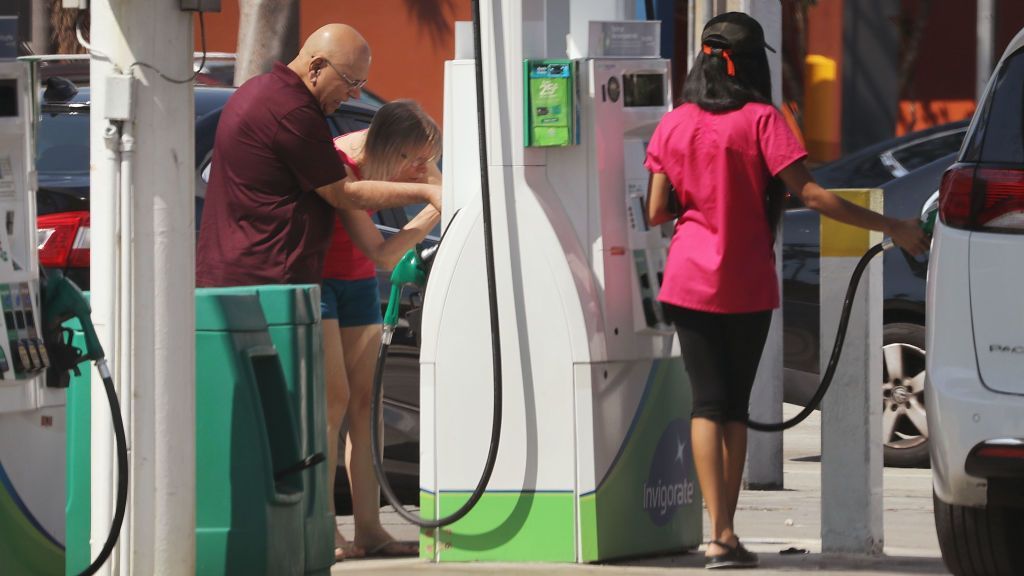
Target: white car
(975, 337)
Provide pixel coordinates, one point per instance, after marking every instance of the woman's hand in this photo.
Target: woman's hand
(908, 235)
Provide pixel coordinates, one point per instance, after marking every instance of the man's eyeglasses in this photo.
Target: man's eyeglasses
(352, 84)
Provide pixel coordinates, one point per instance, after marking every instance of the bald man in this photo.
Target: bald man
(275, 179)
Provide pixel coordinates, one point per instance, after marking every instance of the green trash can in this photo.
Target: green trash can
(260, 506)
(248, 509)
(78, 489)
(293, 319)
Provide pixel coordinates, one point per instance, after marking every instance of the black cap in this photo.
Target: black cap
(736, 31)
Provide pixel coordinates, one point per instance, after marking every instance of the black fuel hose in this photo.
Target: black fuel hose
(122, 471)
(837, 348)
(492, 300)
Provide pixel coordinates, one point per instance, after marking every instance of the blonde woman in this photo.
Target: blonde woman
(401, 145)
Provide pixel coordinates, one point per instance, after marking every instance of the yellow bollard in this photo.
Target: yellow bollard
(821, 108)
(851, 412)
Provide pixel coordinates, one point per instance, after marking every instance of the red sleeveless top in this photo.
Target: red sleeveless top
(344, 261)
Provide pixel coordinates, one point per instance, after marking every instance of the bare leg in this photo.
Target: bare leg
(336, 390)
(735, 445)
(709, 459)
(361, 344)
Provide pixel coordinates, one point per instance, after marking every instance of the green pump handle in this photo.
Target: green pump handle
(63, 299)
(928, 219)
(409, 270)
(926, 222)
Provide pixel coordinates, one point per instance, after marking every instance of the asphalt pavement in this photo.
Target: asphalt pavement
(768, 521)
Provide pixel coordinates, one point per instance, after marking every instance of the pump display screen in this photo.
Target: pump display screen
(8, 98)
(643, 90)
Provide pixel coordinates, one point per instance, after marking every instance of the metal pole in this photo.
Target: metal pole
(40, 34)
(706, 13)
(691, 32)
(764, 450)
(986, 44)
(851, 412)
(143, 279)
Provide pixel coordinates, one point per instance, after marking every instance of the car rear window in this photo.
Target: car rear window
(929, 150)
(1000, 138)
(62, 144)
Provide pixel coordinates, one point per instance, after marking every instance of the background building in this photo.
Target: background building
(877, 68)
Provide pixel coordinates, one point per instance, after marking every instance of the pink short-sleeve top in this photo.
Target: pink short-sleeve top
(721, 257)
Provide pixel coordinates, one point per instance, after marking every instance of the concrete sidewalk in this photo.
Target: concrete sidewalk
(768, 522)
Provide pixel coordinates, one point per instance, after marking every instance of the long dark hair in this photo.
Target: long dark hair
(709, 86)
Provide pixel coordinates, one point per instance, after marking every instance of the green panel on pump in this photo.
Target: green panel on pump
(550, 114)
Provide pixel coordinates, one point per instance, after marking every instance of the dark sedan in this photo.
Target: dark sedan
(908, 170)
(894, 158)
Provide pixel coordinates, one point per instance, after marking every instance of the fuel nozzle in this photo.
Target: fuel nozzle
(427, 255)
(929, 212)
(62, 300)
(928, 216)
(411, 269)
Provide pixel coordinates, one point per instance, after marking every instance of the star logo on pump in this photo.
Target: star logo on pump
(669, 485)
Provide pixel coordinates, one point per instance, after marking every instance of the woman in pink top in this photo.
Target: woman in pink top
(401, 145)
(730, 156)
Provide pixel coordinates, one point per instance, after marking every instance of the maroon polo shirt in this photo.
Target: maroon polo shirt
(262, 221)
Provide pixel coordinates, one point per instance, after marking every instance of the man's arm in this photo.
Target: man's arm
(376, 195)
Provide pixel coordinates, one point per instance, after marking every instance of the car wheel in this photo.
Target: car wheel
(979, 541)
(904, 426)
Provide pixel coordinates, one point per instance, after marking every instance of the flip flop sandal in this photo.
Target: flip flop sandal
(347, 551)
(394, 549)
(736, 557)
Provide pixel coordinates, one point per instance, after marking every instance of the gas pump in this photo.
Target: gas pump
(594, 461)
(32, 418)
(35, 357)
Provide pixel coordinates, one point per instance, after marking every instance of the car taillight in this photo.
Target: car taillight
(1011, 452)
(64, 240)
(982, 198)
(1004, 199)
(955, 197)
(996, 458)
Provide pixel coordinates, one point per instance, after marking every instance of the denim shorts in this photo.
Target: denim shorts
(350, 302)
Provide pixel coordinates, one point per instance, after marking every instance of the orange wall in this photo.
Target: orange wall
(409, 48)
(409, 53)
(823, 104)
(942, 89)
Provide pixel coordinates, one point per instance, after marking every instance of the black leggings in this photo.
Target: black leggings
(721, 353)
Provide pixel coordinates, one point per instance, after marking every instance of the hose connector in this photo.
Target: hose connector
(102, 368)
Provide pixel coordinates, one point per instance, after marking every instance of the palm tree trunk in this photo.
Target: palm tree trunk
(268, 31)
(62, 29)
(39, 39)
